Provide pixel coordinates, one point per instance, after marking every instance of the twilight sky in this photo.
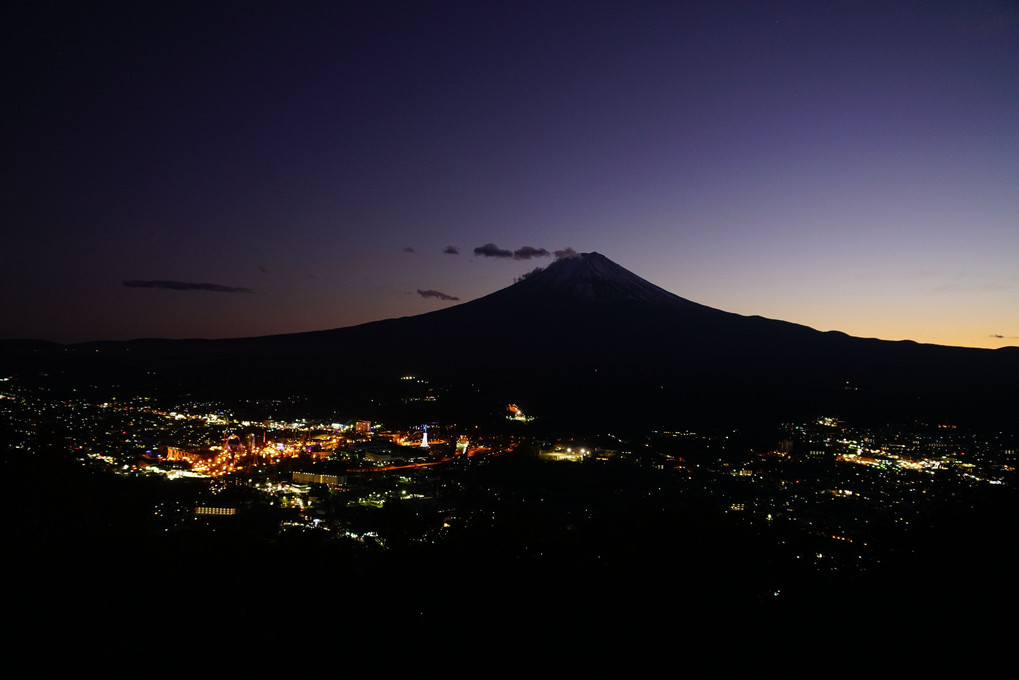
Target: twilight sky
(172, 169)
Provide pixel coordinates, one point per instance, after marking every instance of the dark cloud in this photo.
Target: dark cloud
(1003, 337)
(451, 250)
(436, 294)
(564, 253)
(408, 249)
(186, 285)
(492, 250)
(527, 252)
(263, 269)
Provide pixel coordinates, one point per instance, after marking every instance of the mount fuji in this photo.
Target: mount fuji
(586, 341)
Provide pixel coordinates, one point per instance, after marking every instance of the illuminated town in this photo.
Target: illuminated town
(827, 497)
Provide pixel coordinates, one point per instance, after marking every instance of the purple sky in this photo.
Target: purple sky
(845, 165)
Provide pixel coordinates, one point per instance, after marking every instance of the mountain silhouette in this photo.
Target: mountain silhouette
(586, 342)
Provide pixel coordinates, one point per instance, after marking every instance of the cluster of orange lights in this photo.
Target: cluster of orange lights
(224, 460)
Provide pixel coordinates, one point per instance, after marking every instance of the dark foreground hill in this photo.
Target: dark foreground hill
(581, 342)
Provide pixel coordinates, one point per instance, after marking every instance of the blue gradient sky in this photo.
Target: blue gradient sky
(845, 165)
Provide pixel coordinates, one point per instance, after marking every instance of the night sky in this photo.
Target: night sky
(180, 170)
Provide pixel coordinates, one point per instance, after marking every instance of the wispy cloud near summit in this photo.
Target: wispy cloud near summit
(521, 253)
(492, 250)
(527, 252)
